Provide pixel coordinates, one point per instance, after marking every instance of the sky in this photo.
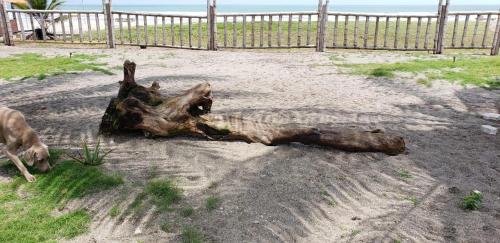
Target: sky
(292, 2)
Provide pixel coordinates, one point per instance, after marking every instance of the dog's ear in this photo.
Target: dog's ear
(30, 157)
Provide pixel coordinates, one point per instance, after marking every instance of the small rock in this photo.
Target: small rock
(43, 108)
(355, 218)
(453, 190)
(256, 222)
(138, 231)
(489, 129)
(491, 116)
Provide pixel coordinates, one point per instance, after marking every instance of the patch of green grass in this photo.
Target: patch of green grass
(166, 227)
(480, 71)
(115, 211)
(187, 212)
(136, 204)
(212, 203)
(425, 82)
(404, 174)
(472, 201)
(329, 199)
(164, 193)
(42, 76)
(29, 65)
(30, 218)
(414, 200)
(381, 72)
(355, 232)
(191, 235)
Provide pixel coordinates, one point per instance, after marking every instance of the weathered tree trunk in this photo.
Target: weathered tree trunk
(145, 109)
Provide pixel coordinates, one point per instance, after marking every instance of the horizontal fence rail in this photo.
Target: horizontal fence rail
(310, 29)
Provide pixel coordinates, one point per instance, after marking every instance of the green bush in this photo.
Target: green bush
(472, 201)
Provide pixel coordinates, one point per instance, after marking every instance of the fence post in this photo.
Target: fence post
(322, 20)
(110, 35)
(212, 24)
(442, 20)
(496, 40)
(5, 21)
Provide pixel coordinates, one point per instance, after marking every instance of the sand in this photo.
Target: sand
(277, 194)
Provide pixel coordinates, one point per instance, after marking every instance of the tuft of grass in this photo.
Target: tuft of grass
(166, 227)
(404, 174)
(355, 232)
(414, 200)
(42, 76)
(425, 82)
(91, 157)
(187, 212)
(479, 71)
(115, 211)
(212, 203)
(164, 193)
(136, 204)
(329, 199)
(381, 72)
(30, 218)
(28, 65)
(472, 201)
(191, 235)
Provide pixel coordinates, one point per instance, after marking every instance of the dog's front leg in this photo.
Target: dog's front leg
(11, 154)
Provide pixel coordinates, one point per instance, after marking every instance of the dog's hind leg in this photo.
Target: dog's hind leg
(11, 154)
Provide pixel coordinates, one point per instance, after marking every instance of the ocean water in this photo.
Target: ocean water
(287, 8)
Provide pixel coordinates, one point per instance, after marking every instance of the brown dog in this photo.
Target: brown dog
(15, 133)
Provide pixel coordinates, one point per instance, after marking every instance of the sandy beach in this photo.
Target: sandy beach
(276, 194)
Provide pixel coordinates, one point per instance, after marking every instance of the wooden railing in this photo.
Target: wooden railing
(381, 32)
(149, 29)
(60, 26)
(472, 30)
(267, 30)
(316, 29)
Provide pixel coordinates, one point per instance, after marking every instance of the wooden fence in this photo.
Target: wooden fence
(319, 29)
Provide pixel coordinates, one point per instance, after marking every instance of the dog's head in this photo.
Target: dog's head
(38, 155)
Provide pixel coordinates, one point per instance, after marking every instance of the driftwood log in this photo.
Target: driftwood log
(139, 108)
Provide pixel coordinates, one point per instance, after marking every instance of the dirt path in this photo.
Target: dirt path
(287, 193)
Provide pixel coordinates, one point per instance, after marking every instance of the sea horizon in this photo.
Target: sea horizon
(393, 8)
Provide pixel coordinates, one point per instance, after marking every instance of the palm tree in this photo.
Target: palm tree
(40, 17)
